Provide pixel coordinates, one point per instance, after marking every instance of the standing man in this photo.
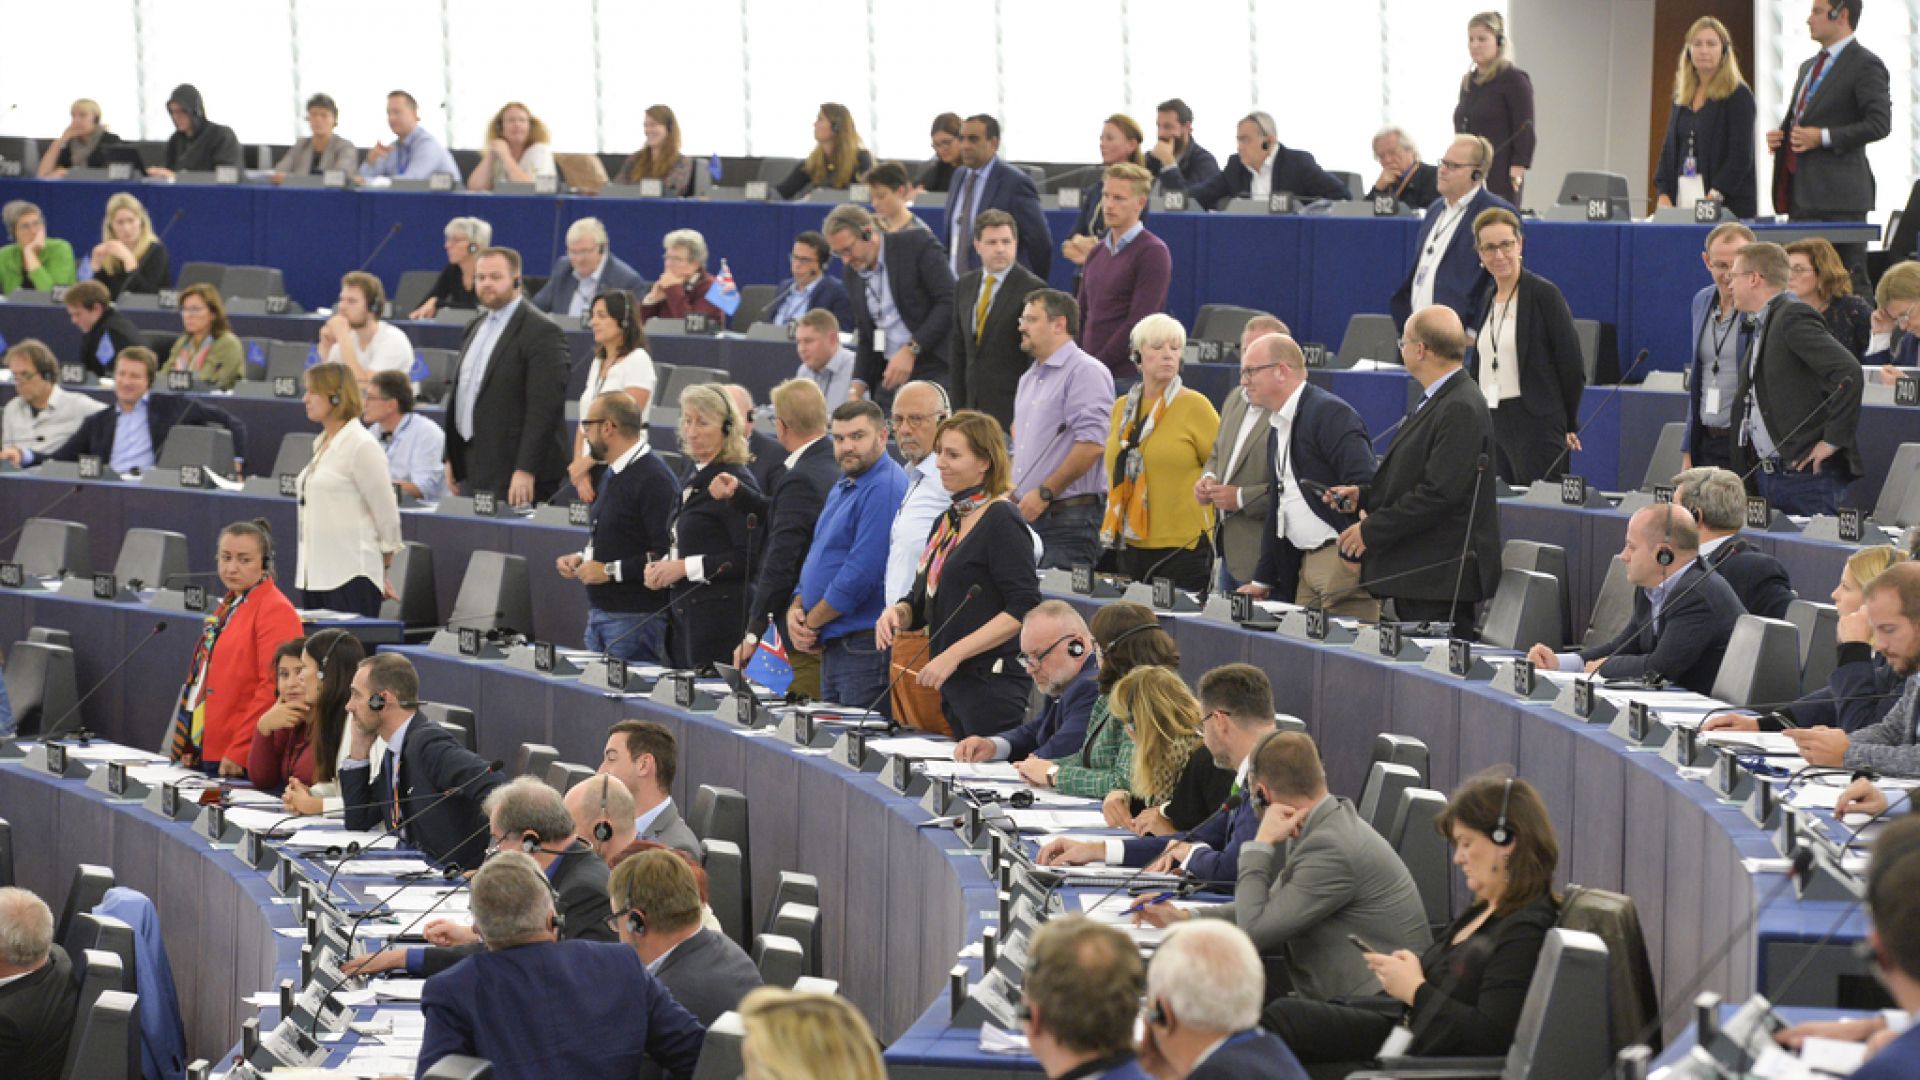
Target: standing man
(918, 409)
(1721, 336)
(508, 406)
(1260, 167)
(415, 446)
(43, 414)
(1798, 406)
(1718, 502)
(842, 587)
(357, 337)
(584, 272)
(643, 755)
(1432, 494)
(1061, 413)
(103, 330)
(627, 528)
(1446, 269)
(1127, 274)
(1403, 175)
(902, 301)
(809, 287)
(414, 153)
(1838, 107)
(1175, 149)
(823, 360)
(1238, 478)
(1314, 441)
(987, 356)
(986, 183)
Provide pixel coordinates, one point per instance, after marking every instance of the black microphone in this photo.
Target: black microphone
(492, 767)
(471, 617)
(52, 731)
(746, 594)
(1466, 546)
(1027, 473)
(893, 724)
(378, 248)
(171, 222)
(1637, 361)
(17, 529)
(1391, 428)
(607, 653)
(1168, 557)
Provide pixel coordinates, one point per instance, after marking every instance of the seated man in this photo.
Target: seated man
(810, 286)
(1893, 610)
(1680, 624)
(1056, 648)
(43, 414)
(643, 755)
(1718, 501)
(1204, 989)
(414, 153)
(537, 1007)
(104, 331)
(130, 436)
(1081, 996)
(416, 447)
(656, 906)
(356, 335)
(1403, 175)
(1260, 167)
(584, 272)
(38, 992)
(824, 360)
(1314, 875)
(603, 801)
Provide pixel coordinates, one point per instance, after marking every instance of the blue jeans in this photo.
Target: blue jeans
(853, 672)
(610, 632)
(1069, 535)
(1804, 493)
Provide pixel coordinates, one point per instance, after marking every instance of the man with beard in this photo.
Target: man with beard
(356, 336)
(1056, 648)
(1890, 746)
(627, 529)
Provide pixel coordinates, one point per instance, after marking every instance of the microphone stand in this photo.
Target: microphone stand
(1466, 548)
(893, 724)
(18, 529)
(1617, 387)
(607, 653)
(492, 767)
(54, 730)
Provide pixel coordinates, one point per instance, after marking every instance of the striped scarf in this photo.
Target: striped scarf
(947, 534)
(190, 716)
(1127, 514)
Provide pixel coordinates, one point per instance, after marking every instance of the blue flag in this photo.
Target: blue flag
(769, 666)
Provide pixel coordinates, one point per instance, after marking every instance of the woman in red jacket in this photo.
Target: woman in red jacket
(231, 680)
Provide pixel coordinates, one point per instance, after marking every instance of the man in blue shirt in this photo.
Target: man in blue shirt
(809, 287)
(842, 581)
(414, 153)
(416, 446)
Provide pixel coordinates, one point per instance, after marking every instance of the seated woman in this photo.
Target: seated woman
(82, 146)
(838, 158)
(937, 174)
(660, 159)
(282, 744)
(322, 152)
(1125, 636)
(1158, 442)
(1463, 998)
(1174, 784)
(518, 149)
(129, 258)
(683, 282)
(1896, 300)
(467, 237)
(208, 348)
(32, 261)
(327, 663)
(1816, 275)
(1120, 140)
(891, 192)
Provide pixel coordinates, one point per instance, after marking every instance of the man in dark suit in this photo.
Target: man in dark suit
(1056, 648)
(643, 755)
(1446, 269)
(38, 992)
(584, 272)
(441, 784)
(987, 358)
(1313, 440)
(1432, 494)
(1174, 147)
(764, 452)
(656, 906)
(507, 427)
(128, 438)
(1260, 167)
(1798, 407)
(1403, 175)
(1204, 989)
(810, 286)
(1838, 107)
(799, 487)
(1718, 502)
(1720, 336)
(104, 331)
(536, 1007)
(1683, 613)
(902, 292)
(987, 183)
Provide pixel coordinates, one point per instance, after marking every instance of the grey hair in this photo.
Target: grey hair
(690, 239)
(510, 900)
(529, 805)
(1209, 976)
(1158, 328)
(17, 209)
(26, 928)
(1062, 613)
(589, 227)
(1715, 494)
(475, 230)
(1399, 133)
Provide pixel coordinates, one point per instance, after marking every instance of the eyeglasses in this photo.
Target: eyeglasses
(1504, 247)
(1247, 373)
(1033, 661)
(803, 260)
(594, 421)
(1457, 165)
(904, 419)
(1900, 320)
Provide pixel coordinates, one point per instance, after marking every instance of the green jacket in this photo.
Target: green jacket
(226, 362)
(56, 267)
(1108, 753)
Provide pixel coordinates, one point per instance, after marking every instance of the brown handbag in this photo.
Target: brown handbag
(914, 705)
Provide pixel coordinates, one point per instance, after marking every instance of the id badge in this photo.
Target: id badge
(1492, 388)
(1710, 401)
(1420, 278)
(1397, 1042)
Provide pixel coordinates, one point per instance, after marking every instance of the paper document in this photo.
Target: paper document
(1053, 821)
(398, 989)
(385, 867)
(979, 770)
(995, 1041)
(322, 839)
(913, 746)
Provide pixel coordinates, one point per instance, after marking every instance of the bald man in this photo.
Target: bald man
(766, 456)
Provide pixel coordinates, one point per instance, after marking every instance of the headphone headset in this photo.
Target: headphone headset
(1127, 633)
(946, 403)
(328, 658)
(603, 829)
(1258, 802)
(379, 702)
(1501, 834)
(1157, 1014)
(1133, 355)
(637, 920)
(333, 400)
(1833, 13)
(1076, 648)
(866, 233)
(1265, 126)
(473, 248)
(1664, 556)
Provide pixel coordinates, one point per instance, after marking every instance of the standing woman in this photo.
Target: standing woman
(208, 347)
(129, 257)
(1708, 151)
(1496, 103)
(518, 149)
(466, 238)
(322, 152)
(349, 518)
(660, 159)
(1120, 140)
(709, 534)
(838, 157)
(231, 679)
(1816, 275)
(1158, 442)
(327, 664)
(1526, 359)
(620, 362)
(975, 585)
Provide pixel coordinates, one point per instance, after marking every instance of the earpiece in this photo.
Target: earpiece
(1256, 800)
(328, 658)
(1665, 555)
(1477, 175)
(1833, 13)
(1133, 356)
(1501, 835)
(1076, 648)
(1157, 1015)
(473, 248)
(603, 829)
(529, 843)
(637, 921)
(866, 234)
(379, 702)
(333, 400)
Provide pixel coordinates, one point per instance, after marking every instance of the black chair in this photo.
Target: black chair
(108, 1038)
(98, 973)
(793, 888)
(720, 813)
(1762, 663)
(801, 922)
(1548, 559)
(1817, 626)
(89, 887)
(211, 448)
(1424, 851)
(41, 686)
(200, 273)
(252, 283)
(49, 547)
(150, 558)
(1525, 612)
(418, 607)
(412, 290)
(1402, 750)
(753, 304)
(440, 365)
(1664, 465)
(1612, 609)
(288, 359)
(51, 635)
(1380, 798)
(728, 891)
(495, 594)
(296, 450)
(1369, 337)
(563, 775)
(1890, 508)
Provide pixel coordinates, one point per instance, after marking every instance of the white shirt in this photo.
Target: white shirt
(331, 801)
(1498, 352)
(388, 351)
(794, 458)
(633, 371)
(1262, 184)
(49, 430)
(926, 500)
(1250, 421)
(1299, 525)
(1427, 264)
(348, 515)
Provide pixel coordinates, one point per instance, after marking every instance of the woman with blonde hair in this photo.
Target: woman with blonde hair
(1496, 103)
(660, 158)
(838, 157)
(518, 149)
(1896, 299)
(709, 534)
(82, 145)
(791, 1035)
(1174, 783)
(1708, 151)
(129, 257)
(1816, 275)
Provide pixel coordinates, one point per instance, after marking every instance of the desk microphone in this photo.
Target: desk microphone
(471, 617)
(893, 725)
(63, 497)
(746, 594)
(53, 730)
(1595, 415)
(378, 248)
(1027, 473)
(607, 652)
(178, 213)
(1391, 428)
(1466, 546)
(492, 767)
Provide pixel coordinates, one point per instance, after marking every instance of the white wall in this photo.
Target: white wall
(1591, 70)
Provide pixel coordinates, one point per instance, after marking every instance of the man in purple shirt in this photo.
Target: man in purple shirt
(1061, 413)
(1127, 275)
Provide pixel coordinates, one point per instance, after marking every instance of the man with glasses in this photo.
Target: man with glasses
(902, 301)
(1721, 335)
(1238, 479)
(1056, 648)
(1402, 174)
(415, 446)
(1446, 269)
(584, 272)
(1061, 413)
(810, 287)
(986, 183)
(628, 528)
(917, 411)
(42, 414)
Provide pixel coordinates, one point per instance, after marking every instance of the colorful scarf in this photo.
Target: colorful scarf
(946, 534)
(1127, 515)
(190, 717)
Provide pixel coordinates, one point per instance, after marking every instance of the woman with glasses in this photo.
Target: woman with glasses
(1893, 345)
(1526, 359)
(1816, 275)
(33, 260)
(1172, 784)
(208, 348)
(937, 175)
(683, 282)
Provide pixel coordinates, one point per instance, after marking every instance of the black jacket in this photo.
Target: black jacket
(986, 374)
(1860, 693)
(1757, 578)
(1552, 371)
(629, 526)
(1471, 1002)
(37, 1019)
(1690, 641)
(787, 519)
(1722, 151)
(1853, 105)
(922, 285)
(1294, 171)
(1328, 445)
(164, 412)
(154, 273)
(204, 145)
(114, 328)
(706, 625)
(1800, 365)
(1422, 495)
(579, 883)
(519, 415)
(450, 830)
(1418, 189)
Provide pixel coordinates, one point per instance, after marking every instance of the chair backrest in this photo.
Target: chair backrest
(296, 450)
(1356, 187)
(1581, 185)
(775, 169)
(753, 303)
(1893, 490)
(151, 558)
(1548, 559)
(1664, 465)
(495, 593)
(88, 887)
(40, 685)
(288, 359)
(1612, 917)
(1289, 722)
(198, 273)
(1762, 663)
(1222, 322)
(1424, 851)
(440, 364)
(728, 891)
(1368, 337)
(104, 933)
(196, 444)
(532, 759)
(1818, 628)
(720, 1054)
(412, 577)
(793, 888)
(98, 973)
(1401, 750)
(412, 290)
(1587, 333)
(685, 375)
(108, 1038)
(459, 1067)
(51, 635)
(1557, 1036)
(455, 718)
(6, 854)
(1381, 796)
(1525, 612)
(49, 547)
(781, 960)
(563, 775)
(1612, 609)
(801, 922)
(252, 282)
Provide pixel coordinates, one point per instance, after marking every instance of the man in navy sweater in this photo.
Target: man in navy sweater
(1056, 648)
(628, 529)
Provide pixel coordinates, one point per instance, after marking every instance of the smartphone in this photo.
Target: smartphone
(1360, 944)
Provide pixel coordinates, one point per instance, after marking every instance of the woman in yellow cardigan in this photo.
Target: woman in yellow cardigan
(1157, 445)
(209, 348)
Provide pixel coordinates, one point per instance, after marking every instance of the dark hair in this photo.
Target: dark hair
(1534, 851)
(946, 123)
(988, 441)
(143, 355)
(656, 739)
(625, 310)
(861, 409)
(1852, 8)
(889, 174)
(1120, 655)
(618, 408)
(993, 126)
(260, 529)
(1241, 690)
(1058, 305)
(337, 654)
(507, 253)
(87, 294)
(45, 364)
(1893, 893)
(289, 649)
(391, 673)
(1902, 580)
(216, 307)
(370, 289)
(818, 243)
(322, 101)
(403, 94)
(1086, 979)
(395, 386)
(1180, 109)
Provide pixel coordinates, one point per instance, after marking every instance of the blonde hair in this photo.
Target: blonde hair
(801, 406)
(86, 105)
(123, 200)
(1166, 727)
(712, 401)
(846, 147)
(1686, 81)
(1900, 282)
(1158, 328)
(1869, 563)
(796, 1036)
(1137, 175)
(1496, 24)
(536, 127)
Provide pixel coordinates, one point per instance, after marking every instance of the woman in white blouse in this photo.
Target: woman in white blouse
(518, 149)
(620, 362)
(349, 518)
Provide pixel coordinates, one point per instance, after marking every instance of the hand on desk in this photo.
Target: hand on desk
(1152, 822)
(1172, 859)
(1860, 797)
(1034, 771)
(375, 963)
(1731, 721)
(1161, 915)
(1859, 1030)
(974, 748)
(1060, 851)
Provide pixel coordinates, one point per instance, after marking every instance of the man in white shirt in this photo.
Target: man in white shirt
(415, 446)
(356, 336)
(824, 361)
(1446, 269)
(42, 415)
(1238, 476)
(917, 411)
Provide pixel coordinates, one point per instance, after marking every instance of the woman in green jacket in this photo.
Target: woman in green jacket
(208, 349)
(32, 261)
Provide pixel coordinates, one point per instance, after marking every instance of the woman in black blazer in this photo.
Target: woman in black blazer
(976, 583)
(1526, 358)
(709, 534)
(1496, 103)
(1711, 125)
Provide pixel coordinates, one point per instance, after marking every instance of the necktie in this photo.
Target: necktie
(1790, 160)
(1813, 80)
(964, 224)
(393, 786)
(987, 284)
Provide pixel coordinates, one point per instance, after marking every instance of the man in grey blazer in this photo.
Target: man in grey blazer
(1237, 481)
(643, 755)
(656, 910)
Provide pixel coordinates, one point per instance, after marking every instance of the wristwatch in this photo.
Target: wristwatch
(913, 347)
(1053, 775)
(1046, 493)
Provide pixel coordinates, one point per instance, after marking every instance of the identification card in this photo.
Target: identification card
(1710, 401)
